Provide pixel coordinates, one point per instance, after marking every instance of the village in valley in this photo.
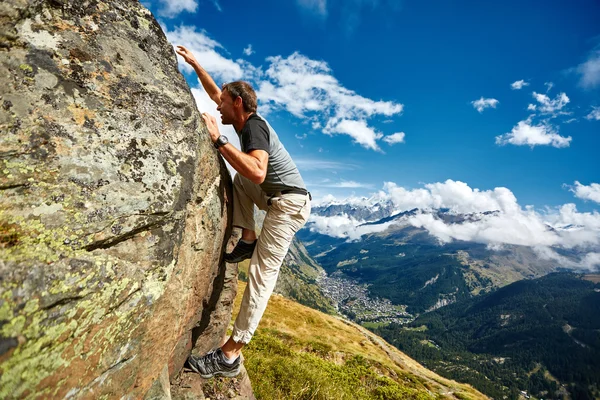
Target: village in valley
(352, 299)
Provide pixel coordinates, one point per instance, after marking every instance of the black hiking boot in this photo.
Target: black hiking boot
(213, 364)
(242, 251)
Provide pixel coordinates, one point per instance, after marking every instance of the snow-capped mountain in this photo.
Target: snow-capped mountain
(360, 211)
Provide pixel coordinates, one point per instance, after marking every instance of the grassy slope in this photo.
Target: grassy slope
(301, 353)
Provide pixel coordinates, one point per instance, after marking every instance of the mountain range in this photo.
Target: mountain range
(410, 266)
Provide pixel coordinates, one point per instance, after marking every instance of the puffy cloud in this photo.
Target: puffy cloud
(591, 192)
(509, 224)
(482, 104)
(172, 8)
(591, 261)
(515, 229)
(358, 130)
(207, 52)
(454, 195)
(307, 89)
(394, 138)
(527, 134)
(248, 50)
(589, 71)
(548, 106)
(594, 114)
(518, 84)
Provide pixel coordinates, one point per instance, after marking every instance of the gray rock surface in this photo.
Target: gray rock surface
(113, 204)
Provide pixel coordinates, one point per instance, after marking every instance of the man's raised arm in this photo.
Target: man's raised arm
(207, 82)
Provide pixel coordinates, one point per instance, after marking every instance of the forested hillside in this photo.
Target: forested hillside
(541, 336)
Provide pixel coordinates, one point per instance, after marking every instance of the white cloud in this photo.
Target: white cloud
(307, 89)
(172, 8)
(343, 227)
(509, 224)
(518, 84)
(531, 107)
(482, 104)
(394, 138)
(594, 114)
(525, 229)
(589, 71)
(319, 7)
(526, 134)
(548, 106)
(455, 195)
(591, 192)
(591, 261)
(206, 51)
(248, 50)
(358, 130)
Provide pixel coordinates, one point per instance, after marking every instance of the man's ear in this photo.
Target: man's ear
(238, 102)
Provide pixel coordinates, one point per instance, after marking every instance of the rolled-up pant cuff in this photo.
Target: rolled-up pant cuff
(241, 336)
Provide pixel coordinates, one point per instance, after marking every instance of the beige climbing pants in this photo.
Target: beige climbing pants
(286, 214)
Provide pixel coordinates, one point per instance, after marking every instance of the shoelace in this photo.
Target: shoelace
(210, 362)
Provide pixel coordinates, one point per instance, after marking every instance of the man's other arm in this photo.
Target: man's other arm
(252, 165)
(207, 81)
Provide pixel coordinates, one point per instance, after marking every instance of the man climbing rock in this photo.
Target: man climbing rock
(266, 177)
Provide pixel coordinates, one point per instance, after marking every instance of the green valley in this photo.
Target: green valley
(540, 336)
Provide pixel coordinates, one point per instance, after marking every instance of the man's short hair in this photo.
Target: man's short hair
(245, 91)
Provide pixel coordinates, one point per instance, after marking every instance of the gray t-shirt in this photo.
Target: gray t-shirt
(282, 173)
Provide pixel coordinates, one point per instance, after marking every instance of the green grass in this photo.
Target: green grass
(374, 325)
(301, 353)
(280, 367)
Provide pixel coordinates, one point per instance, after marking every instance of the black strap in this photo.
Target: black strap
(291, 191)
(295, 191)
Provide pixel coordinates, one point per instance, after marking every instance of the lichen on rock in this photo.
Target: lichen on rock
(113, 202)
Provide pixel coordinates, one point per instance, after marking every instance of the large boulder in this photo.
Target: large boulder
(113, 204)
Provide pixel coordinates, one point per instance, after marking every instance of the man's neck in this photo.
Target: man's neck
(241, 121)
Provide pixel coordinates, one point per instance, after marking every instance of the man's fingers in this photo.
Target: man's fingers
(208, 118)
(182, 51)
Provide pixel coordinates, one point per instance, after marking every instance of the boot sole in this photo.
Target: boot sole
(231, 374)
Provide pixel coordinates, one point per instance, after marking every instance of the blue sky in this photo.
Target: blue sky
(338, 80)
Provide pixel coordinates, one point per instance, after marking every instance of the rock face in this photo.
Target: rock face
(113, 205)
